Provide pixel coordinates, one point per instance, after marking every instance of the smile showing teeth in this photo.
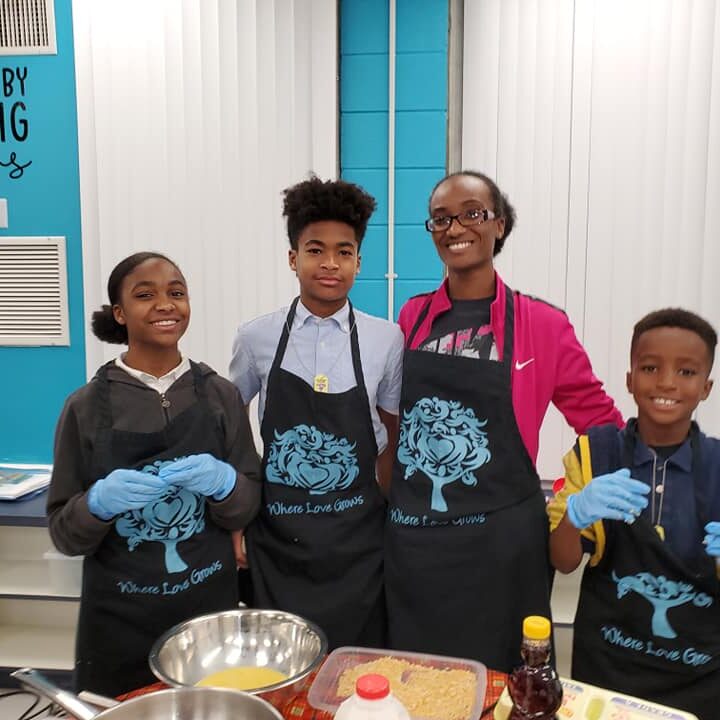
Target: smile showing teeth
(453, 247)
(665, 402)
(165, 323)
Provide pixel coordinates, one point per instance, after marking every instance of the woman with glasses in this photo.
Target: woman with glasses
(467, 534)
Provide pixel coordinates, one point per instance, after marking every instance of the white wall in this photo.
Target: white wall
(193, 116)
(601, 121)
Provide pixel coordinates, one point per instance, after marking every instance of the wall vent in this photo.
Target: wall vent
(27, 27)
(33, 291)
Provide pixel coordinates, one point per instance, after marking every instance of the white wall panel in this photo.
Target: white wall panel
(605, 133)
(193, 116)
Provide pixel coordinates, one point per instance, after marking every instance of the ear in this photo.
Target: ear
(357, 265)
(119, 315)
(292, 260)
(706, 389)
(628, 381)
(500, 228)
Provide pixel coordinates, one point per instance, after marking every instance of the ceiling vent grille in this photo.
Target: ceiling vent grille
(33, 291)
(27, 27)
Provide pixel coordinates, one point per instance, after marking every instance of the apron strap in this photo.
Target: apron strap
(357, 367)
(420, 319)
(509, 335)
(104, 410)
(284, 337)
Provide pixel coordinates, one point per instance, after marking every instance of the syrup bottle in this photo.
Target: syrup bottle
(534, 687)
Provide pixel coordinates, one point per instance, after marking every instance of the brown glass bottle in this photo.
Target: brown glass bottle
(534, 687)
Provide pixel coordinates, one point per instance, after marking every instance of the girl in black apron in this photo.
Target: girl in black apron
(153, 510)
(467, 532)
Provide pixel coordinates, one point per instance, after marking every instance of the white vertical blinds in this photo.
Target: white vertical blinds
(601, 120)
(193, 116)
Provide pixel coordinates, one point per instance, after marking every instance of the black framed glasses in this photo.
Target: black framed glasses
(467, 218)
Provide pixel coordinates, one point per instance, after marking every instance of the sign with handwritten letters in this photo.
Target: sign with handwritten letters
(14, 123)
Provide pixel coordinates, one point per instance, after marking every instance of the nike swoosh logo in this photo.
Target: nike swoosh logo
(521, 365)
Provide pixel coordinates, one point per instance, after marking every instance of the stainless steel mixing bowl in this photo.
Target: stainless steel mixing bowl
(174, 704)
(192, 650)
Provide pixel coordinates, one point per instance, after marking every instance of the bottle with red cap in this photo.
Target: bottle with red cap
(372, 700)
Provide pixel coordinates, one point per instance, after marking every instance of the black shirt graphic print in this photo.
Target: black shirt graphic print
(463, 331)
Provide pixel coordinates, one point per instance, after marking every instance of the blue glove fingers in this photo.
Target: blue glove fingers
(190, 464)
(620, 514)
(712, 539)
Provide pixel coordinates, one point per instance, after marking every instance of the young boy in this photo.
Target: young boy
(645, 502)
(329, 383)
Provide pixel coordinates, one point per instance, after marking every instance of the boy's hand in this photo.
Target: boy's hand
(202, 474)
(615, 496)
(712, 539)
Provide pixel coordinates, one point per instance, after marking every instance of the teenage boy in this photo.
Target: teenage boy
(645, 503)
(329, 383)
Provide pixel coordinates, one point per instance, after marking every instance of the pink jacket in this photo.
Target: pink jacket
(549, 363)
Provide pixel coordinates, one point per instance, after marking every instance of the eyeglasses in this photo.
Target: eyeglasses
(468, 218)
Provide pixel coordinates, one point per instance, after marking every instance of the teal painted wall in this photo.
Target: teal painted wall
(420, 136)
(45, 200)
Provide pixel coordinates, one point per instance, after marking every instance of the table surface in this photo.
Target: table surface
(298, 708)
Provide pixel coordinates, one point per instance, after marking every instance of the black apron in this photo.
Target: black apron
(157, 566)
(647, 623)
(316, 546)
(467, 533)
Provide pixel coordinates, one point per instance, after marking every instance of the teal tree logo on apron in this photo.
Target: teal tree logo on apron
(445, 441)
(305, 457)
(662, 594)
(176, 515)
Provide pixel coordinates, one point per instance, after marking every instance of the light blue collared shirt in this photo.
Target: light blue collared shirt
(322, 345)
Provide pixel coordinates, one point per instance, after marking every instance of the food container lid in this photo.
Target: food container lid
(323, 692)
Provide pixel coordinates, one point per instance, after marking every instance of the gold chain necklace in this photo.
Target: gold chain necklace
(658, 489)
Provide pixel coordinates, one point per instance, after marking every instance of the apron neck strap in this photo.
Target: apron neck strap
(105, 417)
(284, 337)
(509, 333)
(420, 319)
(354, 345)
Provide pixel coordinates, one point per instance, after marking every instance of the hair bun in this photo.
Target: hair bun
(106, 328)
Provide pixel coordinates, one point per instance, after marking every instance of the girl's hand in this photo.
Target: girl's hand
(238, 539)
(123, 490)
(202, 474)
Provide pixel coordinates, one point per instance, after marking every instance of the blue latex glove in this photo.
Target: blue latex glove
(615, 496)
(712, 539)
(202, 474)
(123, 490)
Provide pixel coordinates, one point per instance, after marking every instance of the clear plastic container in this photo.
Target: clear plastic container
(324, 694)
(372, 701)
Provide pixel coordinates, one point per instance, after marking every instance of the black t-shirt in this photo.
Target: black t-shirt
(463, 330)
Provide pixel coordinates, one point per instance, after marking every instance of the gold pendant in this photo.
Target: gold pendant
(321, 384)
(660, 530)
